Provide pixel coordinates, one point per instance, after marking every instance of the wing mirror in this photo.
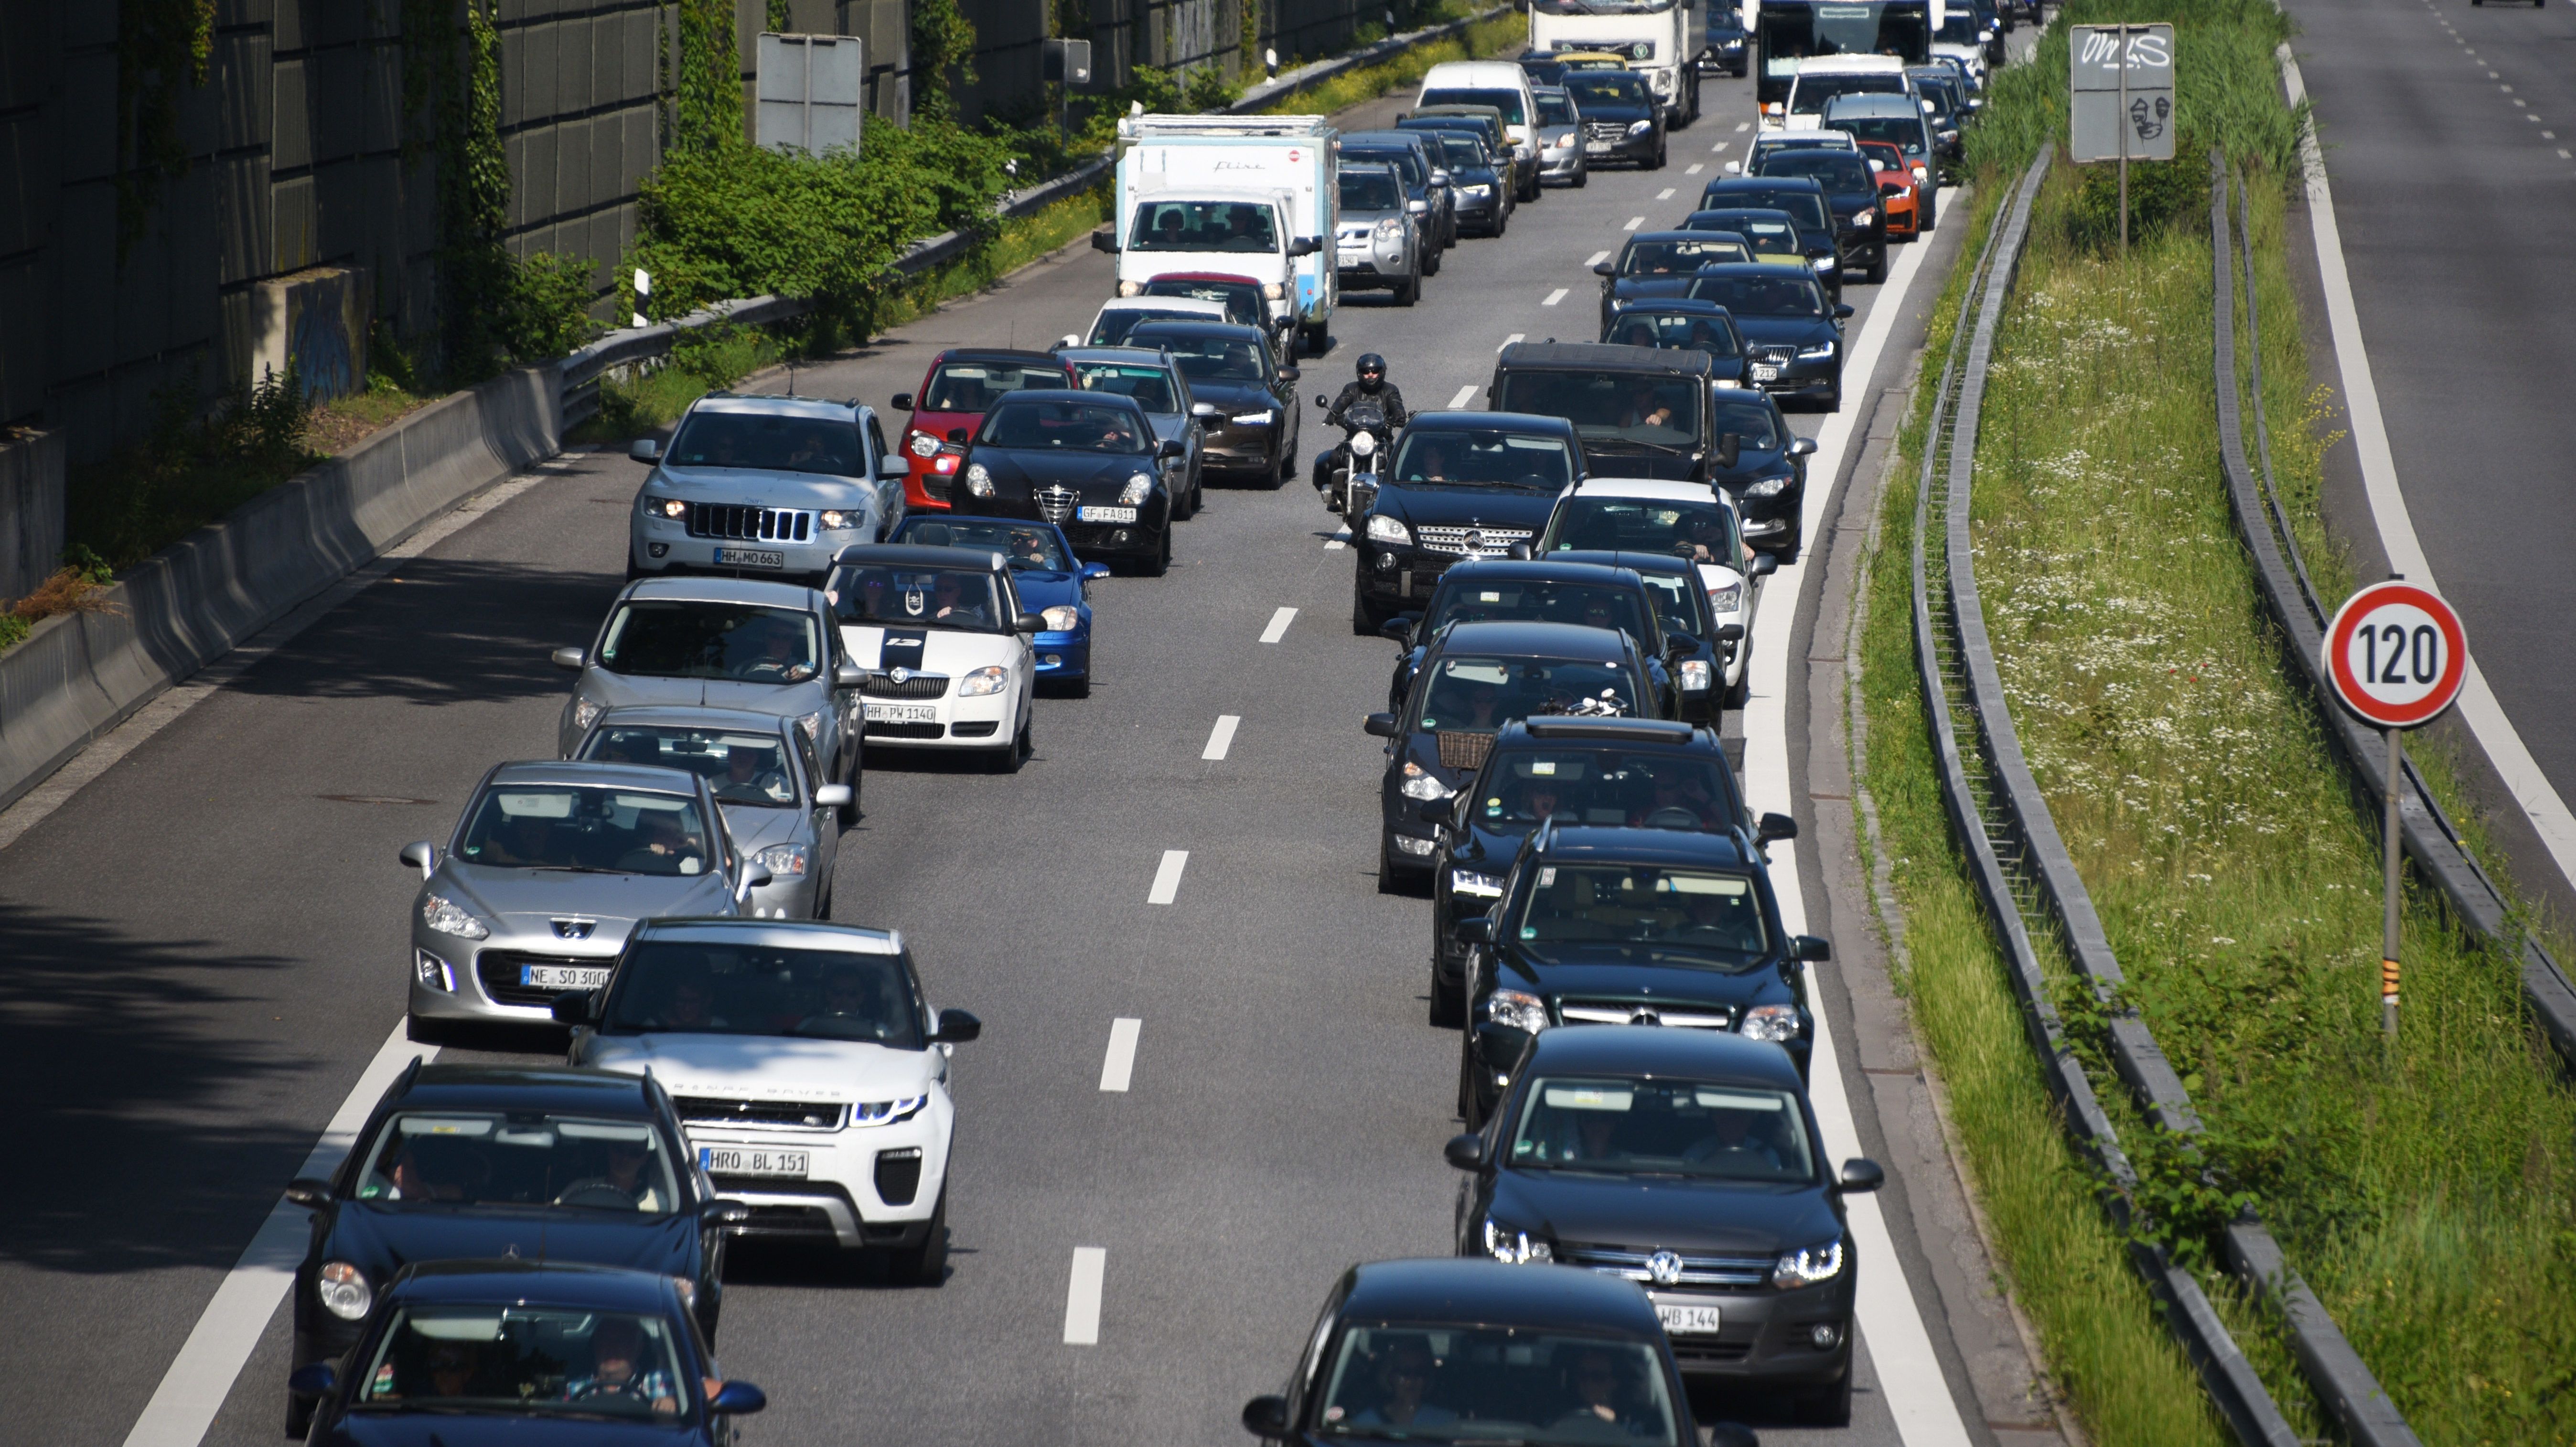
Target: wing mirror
(831, 796)
(575, 1007)
(1417, 208)
(1094, 570)
(893, 469)
(902, 401)
(1843, 311)
(1398, 629)
(753, 877)
(1170, 451)
(1439, 176)
(1803, 447)
(1735, 168)
(1520, 552)
(1475, 929)
(1266, 1416)
(956, 1027)
(721, 1212)
(310, 1192)
(644, 449)
(1379, 725)
(1774, 826)
(1323, 401)
(1029, 625)
(846, 674)
(313, 1379)
(568, 659)
(1815, 949)
(1861, 1176)
(1678, 646)
(1292, 373)
(1763, 565)
(1202, 409)
(1305, 246)
(1730, 446)
(1606, 268)
(1466, 1152)
(737, 1399)
(1437, 811)
(422, 855)
(1105, 241)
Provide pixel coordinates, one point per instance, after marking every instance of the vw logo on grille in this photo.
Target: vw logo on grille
(898, 675)
(1644, 1015)
(574, 929)
(1665, 1267)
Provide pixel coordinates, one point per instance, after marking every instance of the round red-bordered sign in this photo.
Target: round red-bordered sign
(2396, 655)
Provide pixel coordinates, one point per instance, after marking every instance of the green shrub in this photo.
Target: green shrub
(546, 310)
(188, 471)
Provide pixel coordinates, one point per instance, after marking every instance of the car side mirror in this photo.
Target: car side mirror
(1475, 929)
(1735, 168)
(831, 796)
(1105, 241)
(313, 1379)
(722, 1212)
(1466, 1152)
(1774, 826)
(1417, 208)
(848, 675)
(902, 401)
(569, 659)
(1520, 552)
(1730, 633)
(1730, 447)
(893, 469)
(310, 1192)
(1029, 625)
(1379, 725)
(1305, 246)
(755, 877)
(1094, 570)
(1291, 374)
(1803, 447)
(644, 449)
(1763, 565)
(1815, 949)
(1170, 451)
(422, 855)
(1439, 178)
(737, 1399)
(1266, 1416)
(1606, 268)
(1843, 311)
(1202, 409)
(958, 435)
(575, 1007)
(956, 1027)
(1443, 812)
(1861, 1176)
(1398, 629)
(1678, 646)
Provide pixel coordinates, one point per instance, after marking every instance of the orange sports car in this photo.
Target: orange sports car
(1900, 199)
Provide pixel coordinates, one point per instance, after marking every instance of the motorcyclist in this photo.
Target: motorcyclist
(1370, 385)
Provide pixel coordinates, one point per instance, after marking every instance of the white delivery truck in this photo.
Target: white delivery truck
(1660, 39)
(1252, 196)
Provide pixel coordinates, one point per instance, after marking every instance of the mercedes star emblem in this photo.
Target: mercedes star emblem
(1665, 1267)
(1644, 1015)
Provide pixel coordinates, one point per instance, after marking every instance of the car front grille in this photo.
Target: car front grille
(749, 524)
(499, 972)
(1623, 1012)
(1471, 542)
(1605, 130)
(907, 731)
(916, 686)
(1690, 1353)
(1732, 1271)
(1462, 750)
(1056, 502)
(1780, 356)
(792, 1114)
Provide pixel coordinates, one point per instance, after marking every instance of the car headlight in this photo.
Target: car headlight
(1639, 128)
(1062, 618)
(687, 1290)
(812, 724)
(834, 520)
(1479, 189)
(1809, 1265)
(922, 445)
(665, 507)
(1823, 263)
(1253, 419)
(585, 712)
(1131, 288)
(1389, 229)
(783, 859)
(1514, 1247)
(978, 481)
(1768, 486)
(1820, 352)
(1563, 142)
(344, 1291)
(1419, 783)
(1383, 529)
(1482, 886)
(1864, 217)
(984, 682)
(1771, 1022)
(1273, 291)
(1921, 175)
(887, 1112)
(1695, 675)
(1363, 444)
(1138, 488)
(1729, 599)
(1517, 1010)
(450, 918)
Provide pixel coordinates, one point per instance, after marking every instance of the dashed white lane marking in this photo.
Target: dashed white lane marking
(1742, 126)
(1553, 298)
(1082, 1297)
(1115, 1070)
(201, 1376)
(1597, 258)
(1516, 336)
(1167, 875)
(1280, 620)
(2562, 154)
(1338, 541)
(1633, 223)
(1665, 194)
(1221, 737)
(1463, 394)
(1694, 168)
(1718, 149)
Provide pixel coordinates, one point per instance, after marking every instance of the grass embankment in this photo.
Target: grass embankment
(1485, 37)
(2425, 1190)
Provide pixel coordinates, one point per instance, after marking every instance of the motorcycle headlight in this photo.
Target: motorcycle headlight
(783, 859)
(1253, 419)
(984, 682)
(1419, 783)
(1768, 486)
(1482, 886)
(1363, 444)
(1382, 529)
(1517, 1010)
(1695, 675)
(1864, 216)
(1729, 599)
(1515, 1247)
(834, 520)
(922, 445)
(887, 1112)
(450, 918)
(1639, 128)
(344, 1291)
(585, 712)
(1807, 1266)
(1771, 1022)
(1138, 488)
(1062, 618)
(1820, 352)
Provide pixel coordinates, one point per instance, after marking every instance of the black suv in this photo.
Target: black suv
(1641, 412)
(1458, 485)
(1851, 190)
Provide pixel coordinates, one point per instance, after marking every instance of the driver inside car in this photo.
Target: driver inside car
(752, 775)
(1705, 540)
(1672, 791)
(948, 602)
(624, 1365)
(622, 1171)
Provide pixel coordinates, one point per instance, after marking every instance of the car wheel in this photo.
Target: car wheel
(1161, 562)
(1313, 338)
(1830, 1407)
(1023, 743)
(1736, 694)
(1502, 219)
(299, 1416)
(1834, 398)
(1448, 1002)
(1582, 176)
(926, 1264)
(1657, 163)
(633, 572)
(1409, 290)
(1364, 620)
(1431, 261)
(1878, 269)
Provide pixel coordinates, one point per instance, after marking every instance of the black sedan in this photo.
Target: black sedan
(487, 1161)
(1550, 590)
(1460, 485)
(1622, 120)
(1851, 190)
(1476, 678)
(1793, 334)
(1621, 926)
(1252, 431)
(513, 1351)
(1085, 461)
(1661, 263)
(1687, 1161)
(1762, 465)
(1681, 324)
(1480, 199)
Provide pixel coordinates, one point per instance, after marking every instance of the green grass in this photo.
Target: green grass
(1485, 37)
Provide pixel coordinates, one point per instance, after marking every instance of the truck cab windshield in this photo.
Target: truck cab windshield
(1203, 226)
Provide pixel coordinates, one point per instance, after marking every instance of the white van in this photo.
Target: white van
(1243, 195)
(1823, 77)
(1503, 85)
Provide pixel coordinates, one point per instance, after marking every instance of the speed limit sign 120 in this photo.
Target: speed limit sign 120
(2396, 655)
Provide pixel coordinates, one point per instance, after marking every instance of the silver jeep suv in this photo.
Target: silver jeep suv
(763, 487)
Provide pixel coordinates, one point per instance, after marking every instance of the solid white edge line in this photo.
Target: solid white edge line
(1120, 1064)
(1221, 737)
(1082, 1297)
(1910, 1379)
(1553, 298)
(1167, 877)
(1279, 622)
(1463, 394)
(2540, 800)
(202, 1375)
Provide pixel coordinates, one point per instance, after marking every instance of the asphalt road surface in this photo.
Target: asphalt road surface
(205, 949)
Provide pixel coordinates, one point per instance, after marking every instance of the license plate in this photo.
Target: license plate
(1766, 374)
(902, 713)
(563, 977)
(1104, 514)
(753, 1161)
(1596, 146)
(750, 558)
(1687, 1320)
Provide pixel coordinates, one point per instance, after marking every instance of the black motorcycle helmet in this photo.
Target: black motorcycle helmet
(1372, 370)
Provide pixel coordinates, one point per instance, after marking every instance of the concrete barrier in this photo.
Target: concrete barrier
(81, 674)
(31, 512)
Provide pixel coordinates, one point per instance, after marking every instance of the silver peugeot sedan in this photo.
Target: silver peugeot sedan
(550, 866)
(768, 781)
(763, 486)
(722, 643)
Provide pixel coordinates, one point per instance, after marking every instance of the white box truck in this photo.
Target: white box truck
(1660, 39)
(1252, 196)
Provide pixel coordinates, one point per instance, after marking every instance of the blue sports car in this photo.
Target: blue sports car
(1048, 577)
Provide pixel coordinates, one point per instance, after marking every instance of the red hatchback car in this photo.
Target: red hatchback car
(961, 385)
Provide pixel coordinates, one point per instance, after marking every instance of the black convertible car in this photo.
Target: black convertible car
(1085, 461)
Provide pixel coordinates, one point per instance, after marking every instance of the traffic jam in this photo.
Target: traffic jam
(1566, 566)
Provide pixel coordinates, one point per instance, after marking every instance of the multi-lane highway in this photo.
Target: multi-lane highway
(206, 943)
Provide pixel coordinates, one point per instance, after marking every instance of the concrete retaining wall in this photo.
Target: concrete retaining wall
(31, 512)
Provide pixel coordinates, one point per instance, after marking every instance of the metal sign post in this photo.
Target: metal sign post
(2121, 92)
(1066, 63)
(2396, 657)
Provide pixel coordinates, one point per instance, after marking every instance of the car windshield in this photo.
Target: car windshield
(1752, 422)
(529, 1361)
(1673, 331)
(768, 442)
(1669, 258)
(1906, 135)
(591, 829)
(916, 597)
(1630, 1127)
(976, 386)
(1465, 152)
(742, 768)
(1206, 357)
(1674, 916)
(1616, 87)
(1700, 531)
(1465, 1384)
(1663, 411)
(1370, 191)
(1555, 110)
(1593, 605)
(1111, 327)
(1024, 546)
(1506, 101)
(1406, 160)
(687, 638)
(1959, 27)
(1203, 226)
(1064, 425)
(1482, 457)
(1462, 694)
(1769, 232)
(1809, 96)
(518, 1158)
(1803, 207)
(1603, 786)
(1241, 299)
(1834, 170)
(1762, 296)
(674, 986)
(1150, 386)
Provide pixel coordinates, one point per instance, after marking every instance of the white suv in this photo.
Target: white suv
(810, 1076)
(1688, 519)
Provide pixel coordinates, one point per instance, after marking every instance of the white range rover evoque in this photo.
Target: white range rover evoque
(810, 1076)
(944, 644)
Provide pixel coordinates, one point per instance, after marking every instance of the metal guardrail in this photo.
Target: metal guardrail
(2440, 854)
(2039, 904)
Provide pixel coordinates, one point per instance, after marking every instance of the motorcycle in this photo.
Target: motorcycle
(1350, 482)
